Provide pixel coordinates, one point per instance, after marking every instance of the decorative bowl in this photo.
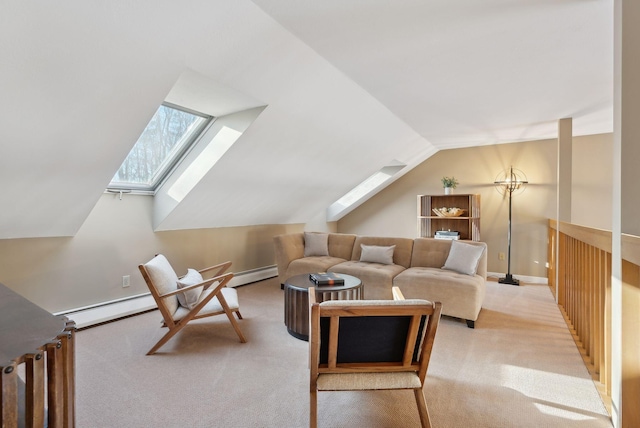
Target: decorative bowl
(448, 212)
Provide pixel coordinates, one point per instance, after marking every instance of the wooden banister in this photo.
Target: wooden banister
(580, 276)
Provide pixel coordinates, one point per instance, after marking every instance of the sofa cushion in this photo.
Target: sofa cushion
(310, 265)
(401, 254)
(341, 245)
(377, 254)
(377, 279)
(461, 295)
(316, 244)
(430, 252)
(463, 258)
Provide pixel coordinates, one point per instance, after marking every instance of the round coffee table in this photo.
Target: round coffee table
(296, 300)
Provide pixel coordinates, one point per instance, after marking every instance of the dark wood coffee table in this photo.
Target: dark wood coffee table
(296, 300)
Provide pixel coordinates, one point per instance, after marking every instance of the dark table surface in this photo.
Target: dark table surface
(24, 326)
(303, 282)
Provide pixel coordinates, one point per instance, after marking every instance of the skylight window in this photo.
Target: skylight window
(166, 139)
(362, 191)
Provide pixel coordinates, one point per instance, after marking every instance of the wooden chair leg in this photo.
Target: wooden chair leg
(422, 408)
(236, 326)
(164, 340)
(239, 315)
(232, 320)
(313, 409)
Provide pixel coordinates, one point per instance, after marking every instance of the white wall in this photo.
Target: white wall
(591, 199)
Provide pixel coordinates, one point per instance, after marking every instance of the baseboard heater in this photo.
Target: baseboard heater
(88, 316)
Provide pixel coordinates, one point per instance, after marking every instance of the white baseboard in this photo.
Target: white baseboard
(521, 278)
(109, 311)
(253, 275)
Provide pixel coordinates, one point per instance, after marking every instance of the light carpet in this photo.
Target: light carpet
(518, 368)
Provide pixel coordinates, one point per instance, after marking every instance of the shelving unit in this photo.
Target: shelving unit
(468, 224)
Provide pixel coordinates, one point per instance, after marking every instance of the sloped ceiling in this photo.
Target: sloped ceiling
(349, 87)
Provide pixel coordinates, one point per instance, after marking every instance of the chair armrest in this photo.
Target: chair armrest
(222, 267)
(397, 294)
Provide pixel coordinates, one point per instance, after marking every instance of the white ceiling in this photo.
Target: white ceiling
(349, 87)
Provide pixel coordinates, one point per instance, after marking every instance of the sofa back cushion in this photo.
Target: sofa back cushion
(341, 245)
(401, 253)
(433, 253)
(430, 252)
(291, 246)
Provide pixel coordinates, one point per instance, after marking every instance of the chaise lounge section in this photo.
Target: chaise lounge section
(462, 292)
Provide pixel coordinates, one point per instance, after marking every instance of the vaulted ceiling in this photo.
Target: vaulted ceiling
(339, 88)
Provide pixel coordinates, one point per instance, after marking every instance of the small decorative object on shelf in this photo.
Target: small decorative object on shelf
(447, 234)
(448, 212)
(449, 183)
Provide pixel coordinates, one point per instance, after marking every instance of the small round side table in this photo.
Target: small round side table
(296, 300)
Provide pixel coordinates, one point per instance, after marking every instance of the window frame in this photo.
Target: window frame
(171, 163)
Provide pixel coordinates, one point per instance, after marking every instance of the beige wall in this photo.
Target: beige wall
(393, 211)
(66, 273)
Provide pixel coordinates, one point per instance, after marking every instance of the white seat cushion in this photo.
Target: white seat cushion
(367, 381)
(230, 295)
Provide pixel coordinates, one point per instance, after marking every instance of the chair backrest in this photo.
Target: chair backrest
(373, 336)
(161, 279)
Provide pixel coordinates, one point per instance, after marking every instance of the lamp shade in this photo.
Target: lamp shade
(510, 181)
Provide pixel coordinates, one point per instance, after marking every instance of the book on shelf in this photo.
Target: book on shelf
(447, 234)
(326, 278)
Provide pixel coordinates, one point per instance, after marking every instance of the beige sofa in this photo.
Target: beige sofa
(416, 267)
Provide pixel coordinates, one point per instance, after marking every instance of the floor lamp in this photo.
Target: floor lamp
(509, 182)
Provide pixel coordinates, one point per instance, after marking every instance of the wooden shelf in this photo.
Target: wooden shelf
(468, 226)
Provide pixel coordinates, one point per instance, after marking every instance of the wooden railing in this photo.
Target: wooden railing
(580, 276)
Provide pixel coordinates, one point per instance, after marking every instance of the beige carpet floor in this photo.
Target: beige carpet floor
(518, 368)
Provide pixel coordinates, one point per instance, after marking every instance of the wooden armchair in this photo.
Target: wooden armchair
(371, 345)
(200, 298)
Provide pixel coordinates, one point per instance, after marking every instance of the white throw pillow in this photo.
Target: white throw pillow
(189, 298)
(377, 254)
(463, 258)
(316, 244)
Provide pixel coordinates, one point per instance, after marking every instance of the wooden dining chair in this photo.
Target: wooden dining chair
(371, 345)
(199, 297)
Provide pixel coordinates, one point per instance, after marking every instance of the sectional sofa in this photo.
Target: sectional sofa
(451, 272)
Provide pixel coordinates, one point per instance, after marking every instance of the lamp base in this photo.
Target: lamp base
(509, 279)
